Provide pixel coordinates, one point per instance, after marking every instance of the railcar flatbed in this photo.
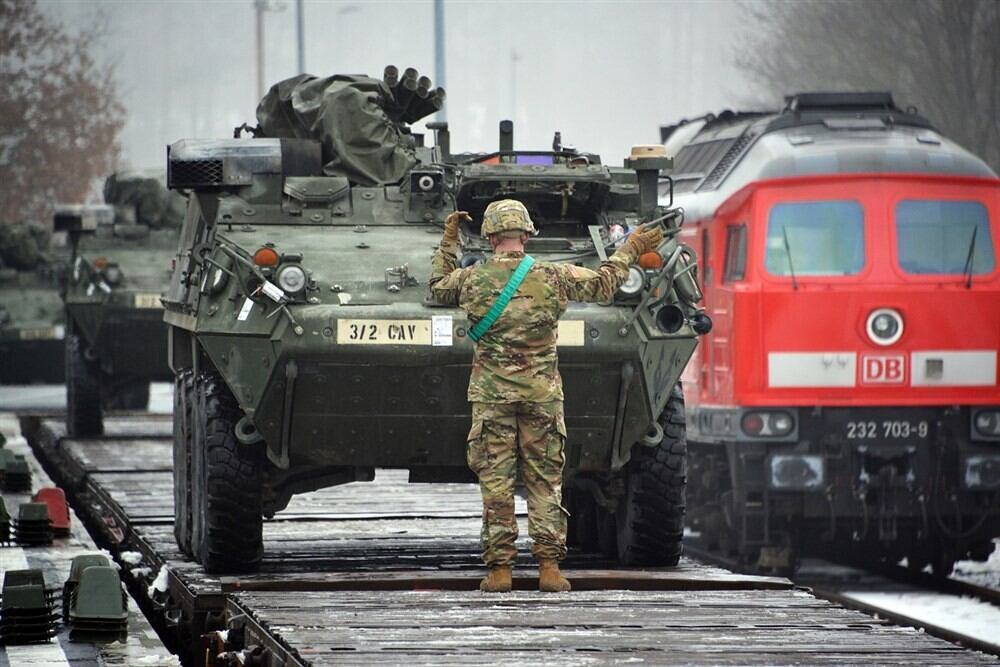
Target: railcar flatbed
(386, 571)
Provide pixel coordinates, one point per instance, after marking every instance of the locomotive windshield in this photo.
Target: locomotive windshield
(944, 237)
(823, 238)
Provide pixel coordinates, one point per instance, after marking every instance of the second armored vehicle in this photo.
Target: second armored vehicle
(307, 351)
(119, 265)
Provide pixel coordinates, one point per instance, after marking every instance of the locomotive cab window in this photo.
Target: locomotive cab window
(736, 253)
(820, 238)
(944, 237)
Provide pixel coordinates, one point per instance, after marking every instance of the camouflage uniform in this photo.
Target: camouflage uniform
(515, 388)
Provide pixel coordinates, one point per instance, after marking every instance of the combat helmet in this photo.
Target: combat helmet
(507, 215)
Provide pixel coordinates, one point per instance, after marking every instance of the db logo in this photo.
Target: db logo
(883, 369)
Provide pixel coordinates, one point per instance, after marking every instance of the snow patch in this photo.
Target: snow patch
(161, 582)
(140, 572)
(984, 573)
(131, 557)
(966, 615)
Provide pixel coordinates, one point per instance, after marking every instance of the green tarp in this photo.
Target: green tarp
(345, 113)
(146, 191)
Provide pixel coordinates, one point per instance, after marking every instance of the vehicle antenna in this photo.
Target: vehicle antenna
(788, 254)
(970, 259)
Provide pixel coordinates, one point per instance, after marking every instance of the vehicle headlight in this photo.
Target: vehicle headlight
(884, 326)
(291, 278)
(113, 274)
(634, 283)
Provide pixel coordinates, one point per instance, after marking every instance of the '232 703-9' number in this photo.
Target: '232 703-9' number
(866, 430)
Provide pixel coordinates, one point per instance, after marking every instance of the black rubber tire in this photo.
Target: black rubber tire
(607, 533)
(183, 406)
(585, 524)
(650, 518)
(227, 519)
(131, 394)
(84, 417)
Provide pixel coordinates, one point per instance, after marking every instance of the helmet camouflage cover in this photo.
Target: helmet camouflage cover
(507, 215)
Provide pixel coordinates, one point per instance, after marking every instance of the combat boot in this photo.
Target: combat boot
(550, 580)
(497, 580)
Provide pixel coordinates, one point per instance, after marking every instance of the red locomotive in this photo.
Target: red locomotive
(847, 396)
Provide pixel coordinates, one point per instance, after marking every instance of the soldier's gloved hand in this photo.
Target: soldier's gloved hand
(451, 225)
(645, 239)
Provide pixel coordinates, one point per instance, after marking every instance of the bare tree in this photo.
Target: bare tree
(942, 56)
(59, 113)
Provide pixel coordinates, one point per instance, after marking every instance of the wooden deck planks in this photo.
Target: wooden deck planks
(390, 529)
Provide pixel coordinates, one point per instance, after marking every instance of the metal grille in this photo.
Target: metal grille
(728, 160)
(195, 173)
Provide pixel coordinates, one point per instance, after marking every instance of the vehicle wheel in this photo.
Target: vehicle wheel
(650, 519)
(83, 391)
(585, 524)
(131, 394)
(227, 523)
(183, 402)
(607, 533)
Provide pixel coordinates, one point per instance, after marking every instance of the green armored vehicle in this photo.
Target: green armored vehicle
(119, 265)
(31, 314)
(308, 352)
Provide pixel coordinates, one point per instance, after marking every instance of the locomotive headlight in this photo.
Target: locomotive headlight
(884, 326)
(291, 278)
(987, 424)
(634, 283)
(767, 423)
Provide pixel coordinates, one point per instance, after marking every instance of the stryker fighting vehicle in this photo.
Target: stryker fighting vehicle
(31, 315)
(308, 352)
(119, 265)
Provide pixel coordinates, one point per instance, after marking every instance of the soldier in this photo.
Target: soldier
(515, 388)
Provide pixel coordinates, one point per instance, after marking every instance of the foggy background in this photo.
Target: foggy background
(606, 74)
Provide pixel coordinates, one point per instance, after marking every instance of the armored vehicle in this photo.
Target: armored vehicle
(31, 314)
(119, 264)
(306, 348)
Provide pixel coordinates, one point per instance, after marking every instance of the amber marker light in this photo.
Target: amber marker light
(650, 260)
(100, 262)
(265, 257)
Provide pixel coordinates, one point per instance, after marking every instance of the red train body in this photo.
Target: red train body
(847, 394)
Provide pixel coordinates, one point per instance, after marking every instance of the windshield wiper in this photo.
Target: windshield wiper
(970, 259)
(788, 254)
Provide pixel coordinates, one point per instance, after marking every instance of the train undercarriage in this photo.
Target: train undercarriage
(858, 484)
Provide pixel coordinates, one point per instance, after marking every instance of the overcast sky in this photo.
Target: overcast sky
(604, 73)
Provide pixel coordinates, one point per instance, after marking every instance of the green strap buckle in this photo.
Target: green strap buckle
(483, 325)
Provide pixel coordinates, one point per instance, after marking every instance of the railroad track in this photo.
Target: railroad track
(860, 586)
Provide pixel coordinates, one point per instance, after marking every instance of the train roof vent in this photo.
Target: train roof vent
(840, 101)
(729, 160)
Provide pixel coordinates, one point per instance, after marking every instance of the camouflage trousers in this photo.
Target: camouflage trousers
(507, 438)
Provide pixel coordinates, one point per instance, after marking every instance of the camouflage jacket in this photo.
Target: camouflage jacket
(516, 360)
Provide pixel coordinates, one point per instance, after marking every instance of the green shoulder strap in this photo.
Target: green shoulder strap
(483, 325)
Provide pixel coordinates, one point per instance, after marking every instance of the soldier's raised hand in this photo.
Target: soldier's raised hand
(645, 238)
(451, 224)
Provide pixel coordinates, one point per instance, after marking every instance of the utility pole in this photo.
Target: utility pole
(513, 84)
(300, 30)
(439, 52)
(260, 6)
